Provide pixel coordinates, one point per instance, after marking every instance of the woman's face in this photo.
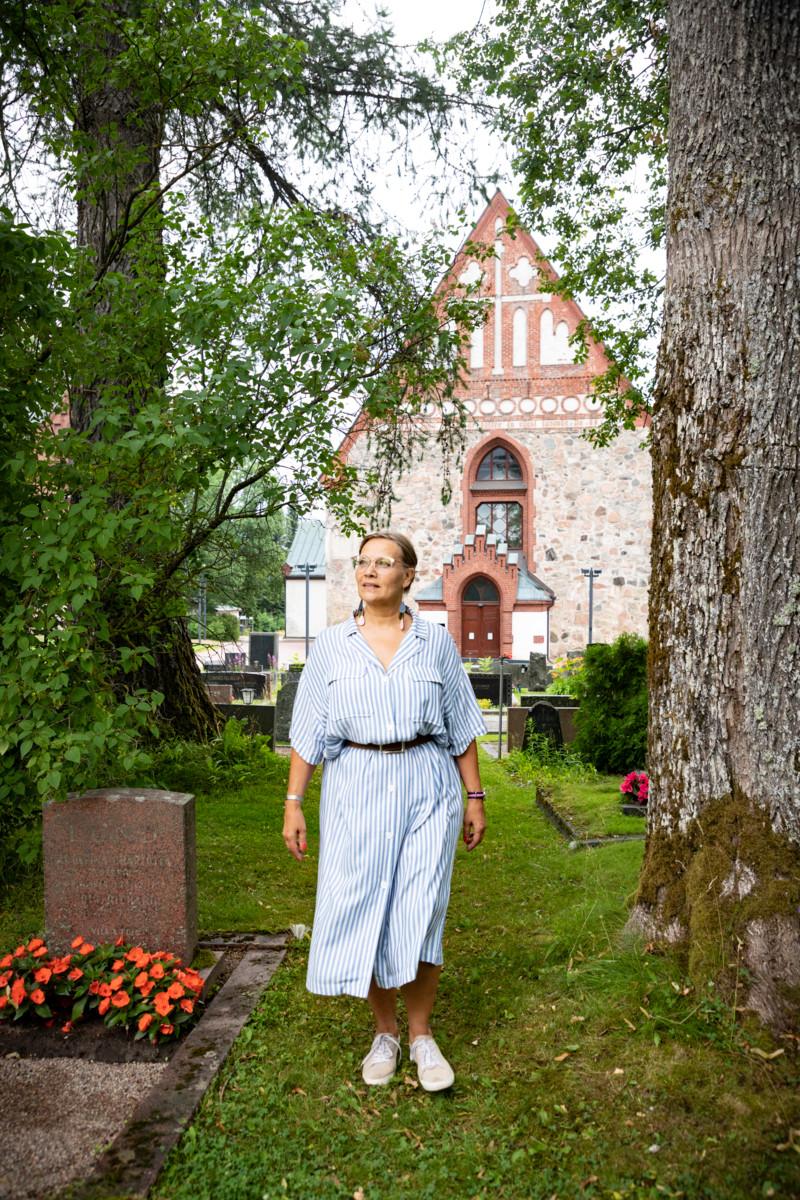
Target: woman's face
(378, 583)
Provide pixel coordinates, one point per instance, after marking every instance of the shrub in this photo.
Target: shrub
(611, 723)
(568, 677)
(224, 626)
(542, 760)
(235, 757)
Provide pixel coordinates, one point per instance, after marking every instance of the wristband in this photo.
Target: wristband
(479, 795)
(293, 796)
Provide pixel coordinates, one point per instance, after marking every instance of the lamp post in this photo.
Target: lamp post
(307, 568)
(591, 574)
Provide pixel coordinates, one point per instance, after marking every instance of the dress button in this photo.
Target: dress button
(389, 835)
(384, 884)
(391, 787)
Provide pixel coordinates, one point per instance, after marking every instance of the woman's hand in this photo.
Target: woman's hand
(294, 829)
(474, 823)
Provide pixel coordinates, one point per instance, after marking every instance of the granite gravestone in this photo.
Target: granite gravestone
(544, 719)
(121, 861)
(284, 706)
(486, 686)
(538, 674)
(220, 693)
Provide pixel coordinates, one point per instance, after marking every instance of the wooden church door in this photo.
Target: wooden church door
(480, 619)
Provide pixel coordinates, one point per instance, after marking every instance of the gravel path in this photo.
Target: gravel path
(58, 1114)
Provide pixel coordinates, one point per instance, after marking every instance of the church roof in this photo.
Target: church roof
(529, 586)
(308, 546)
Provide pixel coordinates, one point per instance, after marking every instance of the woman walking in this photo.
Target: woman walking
(384, 700)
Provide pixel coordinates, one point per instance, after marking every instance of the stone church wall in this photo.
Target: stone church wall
(590, 508)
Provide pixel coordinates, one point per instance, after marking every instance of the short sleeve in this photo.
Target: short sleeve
(462, 715)
(310, 711)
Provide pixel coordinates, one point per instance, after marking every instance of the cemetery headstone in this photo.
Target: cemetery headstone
(257, 680)
(258, 718)
(486, 686)
(538, 674)
(285, 704)
(220, 693)
(544, 719)
(121, 861)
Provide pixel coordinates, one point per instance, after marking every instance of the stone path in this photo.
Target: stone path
(57, 1113)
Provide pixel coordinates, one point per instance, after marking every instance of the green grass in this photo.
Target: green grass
(574, 1057)
(593, 807)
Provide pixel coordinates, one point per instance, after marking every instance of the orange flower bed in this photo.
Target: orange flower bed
(115, 981)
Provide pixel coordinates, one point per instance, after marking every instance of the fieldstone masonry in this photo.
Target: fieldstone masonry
(583, 506)
(121, 862)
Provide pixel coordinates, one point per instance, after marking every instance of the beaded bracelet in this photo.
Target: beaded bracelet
(481, 795)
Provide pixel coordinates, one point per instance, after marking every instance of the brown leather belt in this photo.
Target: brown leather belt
(392, 747)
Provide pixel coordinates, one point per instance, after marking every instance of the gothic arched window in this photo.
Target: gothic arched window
(499, 463)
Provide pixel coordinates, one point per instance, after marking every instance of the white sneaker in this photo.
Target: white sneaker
(433, 1069)
(382, 1061)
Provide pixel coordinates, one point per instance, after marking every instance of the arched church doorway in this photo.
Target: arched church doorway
(480, 619)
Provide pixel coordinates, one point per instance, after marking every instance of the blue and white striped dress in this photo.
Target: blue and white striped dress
(389, 823)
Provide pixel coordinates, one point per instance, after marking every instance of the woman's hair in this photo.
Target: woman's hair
(407, 551)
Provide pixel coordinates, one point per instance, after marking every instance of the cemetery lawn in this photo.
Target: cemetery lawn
(582, 1069)
(593, 807)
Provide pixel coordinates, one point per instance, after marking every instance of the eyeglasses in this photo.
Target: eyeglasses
(362, 563)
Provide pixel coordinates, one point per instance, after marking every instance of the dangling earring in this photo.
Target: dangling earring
(403, 611)
(359, 614)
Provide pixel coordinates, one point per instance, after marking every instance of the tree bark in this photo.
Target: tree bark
(722, 864)
(113, 122)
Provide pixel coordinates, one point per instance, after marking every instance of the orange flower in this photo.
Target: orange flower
(146, 988)
(20, 950)
(143, 961)
(60, 965)
(134, 953)
(35, 943)
(42, 975)
(145, 1022)
(162, 1005)
(141, 979)
(103, 1006)
(41, 952)
(37, 996)
(116, 982)
(119, 965)
(4, 978)
(77, 941)
(86, 948)
(6, 960)
(66, 1027)
(18, 992)
(157, 971)
(3, 1001)
(175, 991)
(187, 1005)
(104, 990)
(94, 987)
(120, 941)
(75, 973)
(120, 999)
(167, 1029)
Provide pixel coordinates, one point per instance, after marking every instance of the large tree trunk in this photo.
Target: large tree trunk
(113, 122)
(722, 863)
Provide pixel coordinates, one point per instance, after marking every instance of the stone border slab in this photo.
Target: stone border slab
(131, 1164)
(565, 829)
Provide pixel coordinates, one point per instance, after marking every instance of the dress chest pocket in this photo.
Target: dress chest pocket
(425, 690)
(348, 693)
